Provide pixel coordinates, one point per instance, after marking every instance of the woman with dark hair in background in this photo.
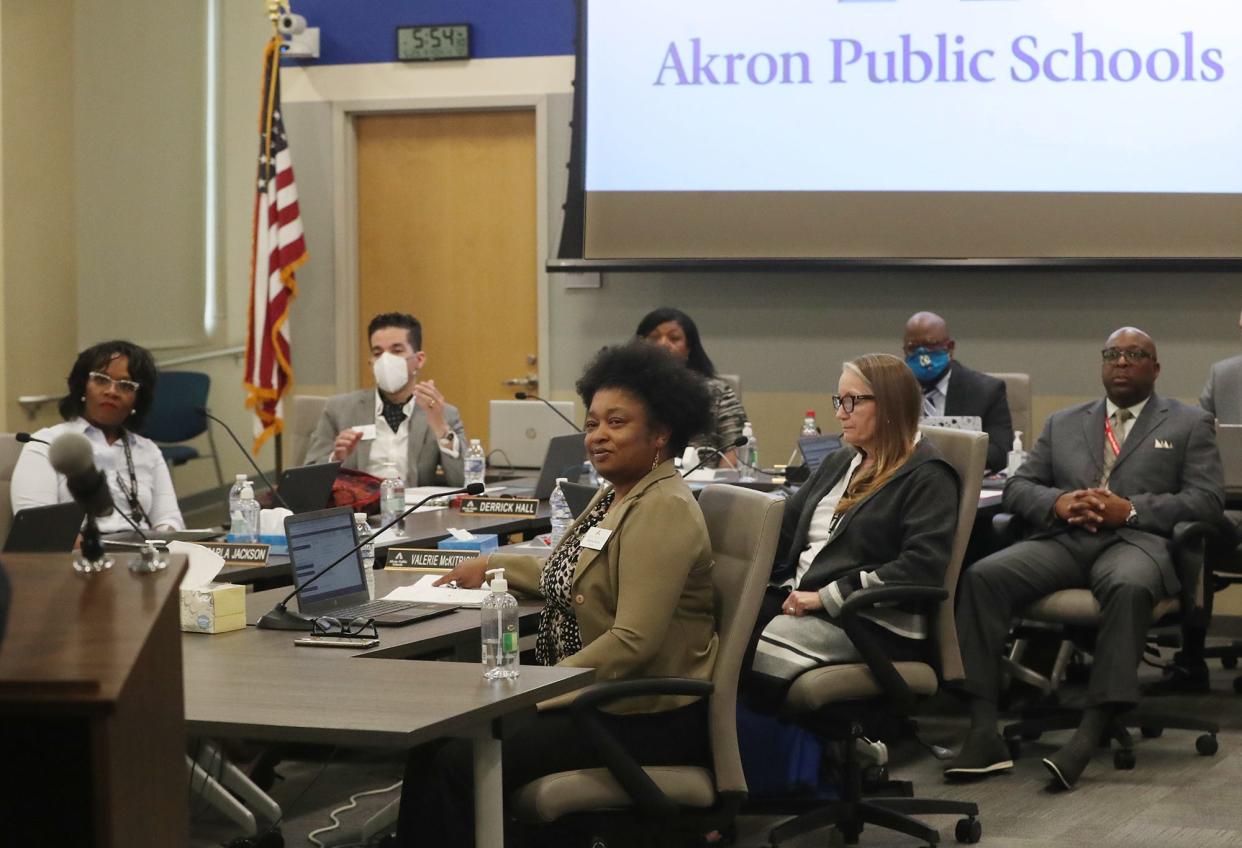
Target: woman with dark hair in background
(882, 510)
(632, 599)
(675, 331)
(111, 388)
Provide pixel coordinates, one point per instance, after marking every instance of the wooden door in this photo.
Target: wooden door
(446, 232)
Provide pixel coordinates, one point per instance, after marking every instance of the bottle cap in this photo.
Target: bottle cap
(360, 518)
(499, 583)
(810, 413)
(240, 478)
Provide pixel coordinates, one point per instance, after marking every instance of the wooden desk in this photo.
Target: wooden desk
(257, 684)
(91, 713)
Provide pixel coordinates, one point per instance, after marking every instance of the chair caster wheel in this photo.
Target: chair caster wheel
(968, 831)
(1229, 662)
(1207, 744)
(268, 839)
(1151, 732)
(1123, 759)
(1015, 748)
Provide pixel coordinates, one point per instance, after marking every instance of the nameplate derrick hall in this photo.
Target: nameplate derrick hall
(238, 553)
(425, 559)
(499, 506)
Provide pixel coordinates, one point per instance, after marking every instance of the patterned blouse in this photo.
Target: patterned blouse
(728, 416)
(558, 625)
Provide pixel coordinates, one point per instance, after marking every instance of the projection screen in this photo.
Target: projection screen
(1040, 129)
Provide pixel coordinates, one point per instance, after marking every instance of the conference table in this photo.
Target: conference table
(256, 684)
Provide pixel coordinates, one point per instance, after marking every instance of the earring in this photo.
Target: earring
(132, 411)
(83, 398)
(655, 460)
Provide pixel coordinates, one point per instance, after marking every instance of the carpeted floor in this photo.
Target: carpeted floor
(1174, 798)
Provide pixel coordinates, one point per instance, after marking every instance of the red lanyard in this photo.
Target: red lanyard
(1112, 439)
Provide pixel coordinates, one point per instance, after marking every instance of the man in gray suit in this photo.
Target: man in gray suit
(1102, 489)
(403, 423)
(1222, 394)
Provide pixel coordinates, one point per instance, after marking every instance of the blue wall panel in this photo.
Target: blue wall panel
(361, 31)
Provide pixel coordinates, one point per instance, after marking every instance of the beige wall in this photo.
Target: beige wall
(37, 201)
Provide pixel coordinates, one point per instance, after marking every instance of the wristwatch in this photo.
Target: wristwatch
(1132, 518)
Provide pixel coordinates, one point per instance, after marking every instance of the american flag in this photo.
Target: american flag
(277, 251)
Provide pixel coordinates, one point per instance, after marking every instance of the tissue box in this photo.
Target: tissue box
(482, 542)
(213, 608)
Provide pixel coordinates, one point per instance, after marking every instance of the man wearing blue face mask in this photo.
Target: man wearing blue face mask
(950, 388)
(403, 422)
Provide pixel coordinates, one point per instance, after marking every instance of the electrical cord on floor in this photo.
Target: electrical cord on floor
(344, 808)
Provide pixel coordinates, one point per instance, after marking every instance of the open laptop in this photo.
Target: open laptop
(521, 429)
(577, 496)
(1229, 440)
(45, 529)
(317, 539)
(308, 487)
(815, 449)
(565, 457)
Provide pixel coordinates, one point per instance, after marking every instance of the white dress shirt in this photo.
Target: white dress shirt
(820, 528)
(35, 483)
(933, 399)
(391, 448)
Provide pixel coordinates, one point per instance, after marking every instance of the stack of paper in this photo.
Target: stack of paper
(425, 593)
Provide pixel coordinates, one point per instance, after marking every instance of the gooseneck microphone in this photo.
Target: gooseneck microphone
(736, 443)
(548, 404)
(206, 413)
(26, 437)
(73, 456)
(282, 618)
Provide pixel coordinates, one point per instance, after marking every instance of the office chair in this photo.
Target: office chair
(1018, 393)
(1076, 612)
(1222, 569)
(744, 527)
(831, 701)
(174, 418)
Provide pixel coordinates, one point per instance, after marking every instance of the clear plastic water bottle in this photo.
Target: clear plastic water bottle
(235, 494)
(475, 463)
(367, 550)
(499, 624)
(392, 494)
(809, 425)
(244, 521)
(562, 517)
(748, 454)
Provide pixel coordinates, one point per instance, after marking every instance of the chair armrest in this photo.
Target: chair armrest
(1187, 548)
(873, 654)
(870, 597)
(1008, 528)
(1190, 536)
(585, 712)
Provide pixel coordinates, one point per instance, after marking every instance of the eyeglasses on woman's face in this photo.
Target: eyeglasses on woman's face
(104, 383)
(846, 403)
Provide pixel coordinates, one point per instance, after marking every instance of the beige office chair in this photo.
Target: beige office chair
(304, 412)
(744, 527)
(1018, 391)
(10, 450)
(833, 700)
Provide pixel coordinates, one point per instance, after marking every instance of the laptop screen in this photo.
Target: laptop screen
(815, 449)
(316, 540)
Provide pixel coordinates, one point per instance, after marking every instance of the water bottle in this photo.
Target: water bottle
(562, 517)
(367, 550)
(244, 521)
(1017, 456)
(499, 624)
(392, 495)
(235, 494)
(809, 426)
(749, 454)
(475, 463)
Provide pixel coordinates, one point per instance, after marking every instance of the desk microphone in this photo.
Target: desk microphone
(206, 413)
(548, 404)
(736, 443)
(26, 437)
(282, 618)
(72, 455)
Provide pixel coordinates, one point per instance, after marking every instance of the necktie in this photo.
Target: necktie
(394, 414)
(1118, 419)
(929, 400)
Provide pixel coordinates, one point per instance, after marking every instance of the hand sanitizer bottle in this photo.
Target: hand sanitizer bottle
(1017, 456)
(500, 630)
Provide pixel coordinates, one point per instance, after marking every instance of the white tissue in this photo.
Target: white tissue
(459, 534)
(272, 521)
(204, 565)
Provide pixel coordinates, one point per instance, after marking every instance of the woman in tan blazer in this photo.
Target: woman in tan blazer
(627, 592)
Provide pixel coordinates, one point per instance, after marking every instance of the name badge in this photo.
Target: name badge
(596, 538)
(367, 431)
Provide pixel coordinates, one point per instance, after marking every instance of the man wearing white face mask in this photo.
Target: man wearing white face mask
(403, 422)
